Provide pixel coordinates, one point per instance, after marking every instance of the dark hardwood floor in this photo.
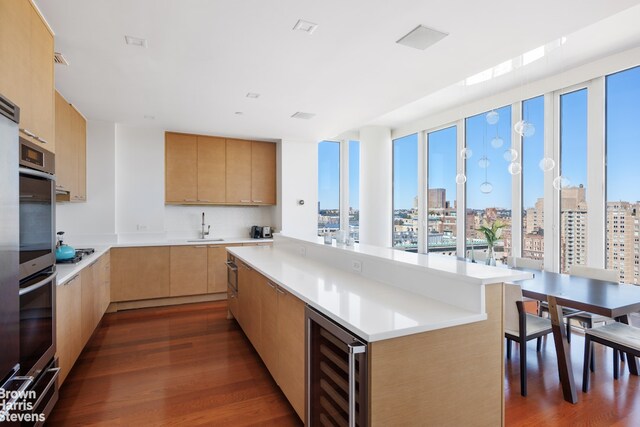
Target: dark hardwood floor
(189, 365)
(185, 365)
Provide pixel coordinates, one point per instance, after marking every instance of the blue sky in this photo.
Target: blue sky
(623, 152)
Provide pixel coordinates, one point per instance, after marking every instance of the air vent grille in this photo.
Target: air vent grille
(303, 116)
(59, 58)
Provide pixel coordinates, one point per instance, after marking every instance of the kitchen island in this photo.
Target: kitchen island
(432, 324)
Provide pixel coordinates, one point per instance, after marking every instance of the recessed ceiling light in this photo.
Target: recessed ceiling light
(304, 116)
(305, 26)
(422, 37)
(59, 58)
(253, 95)
(149, 117)
(238, 113)
(135, 41)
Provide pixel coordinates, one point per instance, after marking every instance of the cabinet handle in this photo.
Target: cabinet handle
(200, 246)
(71, 280)
(245, 201)
(258, 201)
(271, 285)
(60, 186)
(44, 141)
(190, 200)
(204, 200)
(354, 348)
(280, 291)
(28, 133)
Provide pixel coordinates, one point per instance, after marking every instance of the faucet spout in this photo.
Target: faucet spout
(203, 233)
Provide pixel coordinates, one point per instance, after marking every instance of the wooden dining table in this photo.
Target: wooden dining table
(609, 299)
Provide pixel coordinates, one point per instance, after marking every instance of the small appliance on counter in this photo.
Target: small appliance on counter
(261, 232)
(65, 254)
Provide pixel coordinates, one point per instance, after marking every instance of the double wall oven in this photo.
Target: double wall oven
(27, 275)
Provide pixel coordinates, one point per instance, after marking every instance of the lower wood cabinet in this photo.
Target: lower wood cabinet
(188, 270)
(217, 269)
(139, 273)
(274, 322)
(80, 304)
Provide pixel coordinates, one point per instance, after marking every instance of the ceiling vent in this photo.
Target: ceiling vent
(135, 41)
(253, 95)
(305, 26)
(59, 58)
(422, 37)
(304, 116)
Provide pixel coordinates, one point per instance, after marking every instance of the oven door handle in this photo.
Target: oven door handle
(231, 266)
(38, 174)
(52, 381)
(38, 285)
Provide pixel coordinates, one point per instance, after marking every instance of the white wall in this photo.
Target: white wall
(93, 221)
(297, 180)
(125, 195)
(376, 186)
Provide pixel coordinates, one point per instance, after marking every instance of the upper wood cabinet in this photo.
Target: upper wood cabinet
(26, 69)
(263, 169)
(238, 171)
(211, 170)
(71, 155)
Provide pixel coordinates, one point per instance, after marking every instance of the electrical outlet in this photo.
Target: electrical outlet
(302, 250)
(356, 266)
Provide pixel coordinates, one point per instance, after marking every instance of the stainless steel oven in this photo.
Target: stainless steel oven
(37, 209)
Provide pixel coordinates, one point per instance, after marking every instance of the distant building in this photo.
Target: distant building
(437, 198)
(623, 241)
(573, 218)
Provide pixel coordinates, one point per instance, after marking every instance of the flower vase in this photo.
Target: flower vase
(491, 258)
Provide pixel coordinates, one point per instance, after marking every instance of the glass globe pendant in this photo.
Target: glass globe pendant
(524, 128)
(561, 182)
(510, 155)
(497, 142)
(466, 153)
(547, 164)
(461, 178)
(492, 117)
(486, 187)
(484, 162)
(514, 168)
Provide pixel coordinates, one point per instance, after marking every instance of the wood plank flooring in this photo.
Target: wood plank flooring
(188, 365)
(183, 365)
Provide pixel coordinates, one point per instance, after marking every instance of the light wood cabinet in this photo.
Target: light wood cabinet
(88, 309)
(188, 271)
(139, 273)
(263, 173)
(71, 156)
(211, 169)
(291, 348)
(26, 69)
(181, 168)
(238, 171)
(274, 322)
(68, 324)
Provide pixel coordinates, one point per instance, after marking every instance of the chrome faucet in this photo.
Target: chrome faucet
(203, 233)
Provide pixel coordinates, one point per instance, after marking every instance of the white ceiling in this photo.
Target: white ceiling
(204, 56)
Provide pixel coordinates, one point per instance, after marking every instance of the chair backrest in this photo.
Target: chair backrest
(594, 273)
(512, 293)
(534, 264)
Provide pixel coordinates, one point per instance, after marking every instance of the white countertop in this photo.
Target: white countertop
(370, 309)
(68, 271)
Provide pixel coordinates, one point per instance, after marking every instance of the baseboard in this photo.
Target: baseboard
(162, 302)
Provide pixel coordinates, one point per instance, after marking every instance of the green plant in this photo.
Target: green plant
(492, 232)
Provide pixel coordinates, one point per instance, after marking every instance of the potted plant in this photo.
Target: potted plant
(492, 233)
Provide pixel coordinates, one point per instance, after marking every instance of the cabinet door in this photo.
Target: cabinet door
(66, 158)
(217, 269)
(42, 113)
(68, 325)
(253, 313)
(106, 282)
(291, 344)
(181, 168)
(79, 137)
(139, 273)
(211, 169)
(263, 173)
(88, 309)
(15, 66)
(268, 300)
(188, 270)
(238, 171)
(244, 288)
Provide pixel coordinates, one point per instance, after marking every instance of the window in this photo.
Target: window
(489, 155)
(534, 164)
(328, 187)
(573, 179)
(354, 190)
(441, 194)
(405, 193)
(623, 199)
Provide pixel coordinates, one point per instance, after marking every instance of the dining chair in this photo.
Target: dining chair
(521, 327)
(619, 336)
(534, 264)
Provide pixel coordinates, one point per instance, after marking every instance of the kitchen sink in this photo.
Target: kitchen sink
(205, 240)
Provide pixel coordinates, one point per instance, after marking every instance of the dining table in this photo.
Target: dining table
(609, 299)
